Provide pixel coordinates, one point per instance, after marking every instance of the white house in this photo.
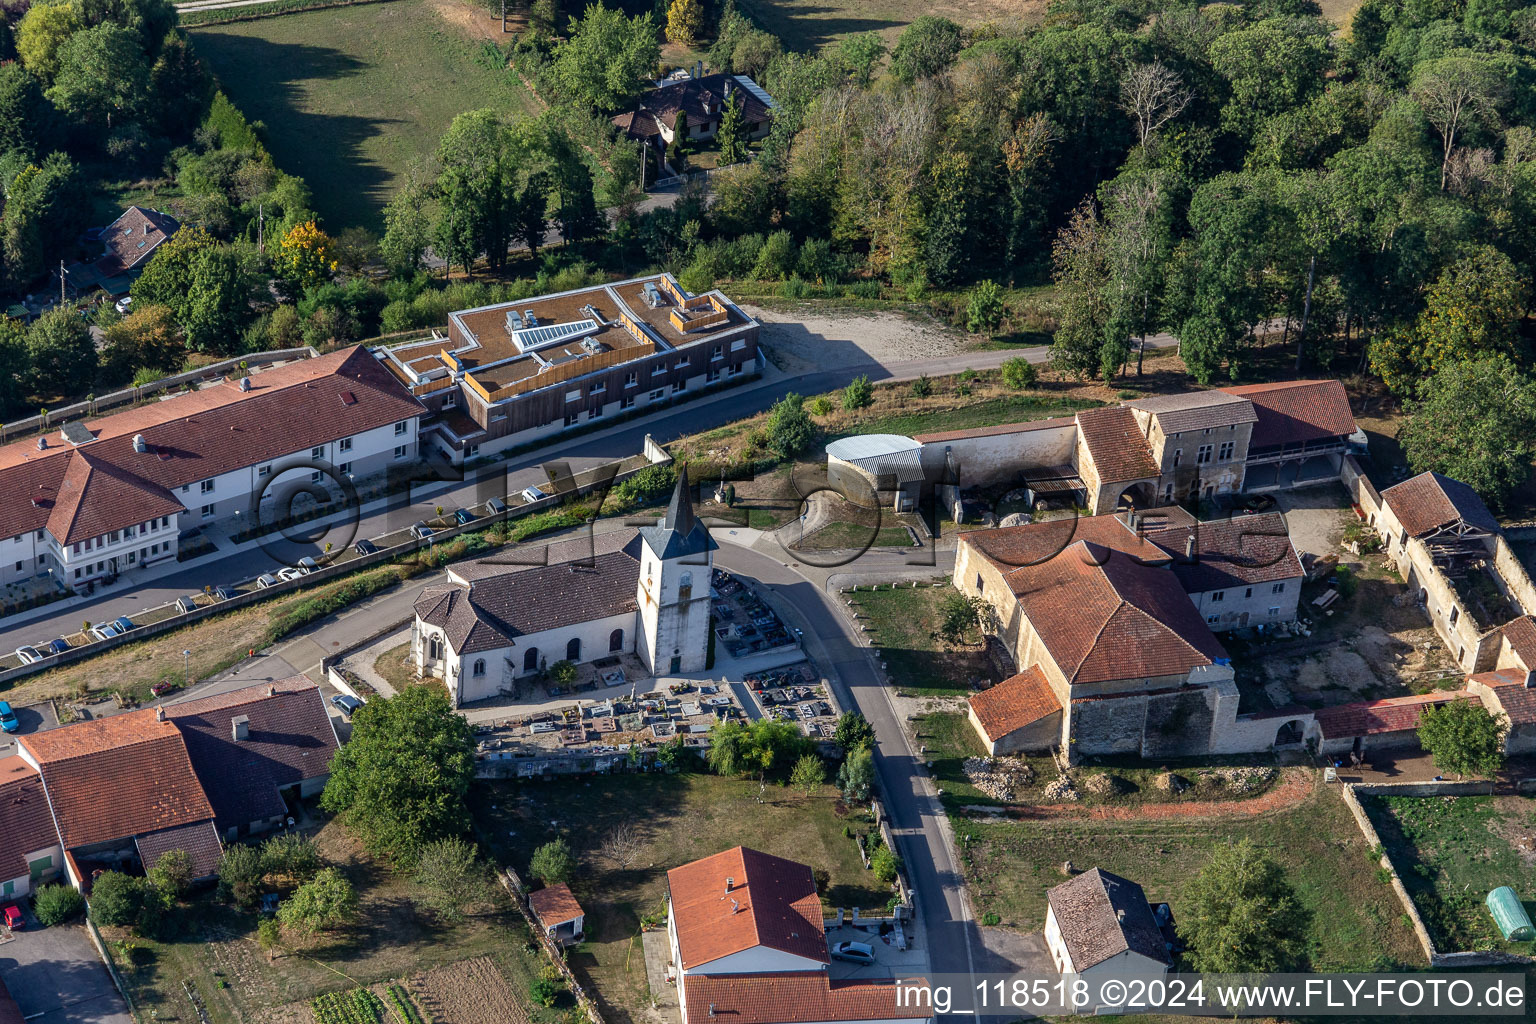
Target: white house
(644, 593)
(1100, 926)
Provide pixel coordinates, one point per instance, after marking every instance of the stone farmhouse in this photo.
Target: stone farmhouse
(1153, 451)
(1100, 926)
(749, 945)
(518, 372)
(701, 99)
(1112, 621)
(644, 593)
(135, 786)
(104, 496)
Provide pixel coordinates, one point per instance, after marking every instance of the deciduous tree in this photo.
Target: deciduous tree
(926, 47)
(685, 20)
(608, 57)
(1241, 915)
(1475, 421)
(553, 862)
(323, 903)
(1464, 737)
(809, 774)
(61, 354)
(451, 876)
(306, 256)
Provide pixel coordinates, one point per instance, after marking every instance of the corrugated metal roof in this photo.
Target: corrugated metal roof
(871, 446)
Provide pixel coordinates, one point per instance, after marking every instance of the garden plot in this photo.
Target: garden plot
(468, 992)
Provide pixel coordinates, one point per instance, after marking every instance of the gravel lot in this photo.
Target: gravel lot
(805, 340)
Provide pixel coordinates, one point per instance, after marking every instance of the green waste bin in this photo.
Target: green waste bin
(1509, 914)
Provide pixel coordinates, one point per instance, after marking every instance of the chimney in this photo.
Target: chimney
(271, 690)
(1120, 916)
(711, 1009)
(698, 69)
(245, 383)
(735, 907)
(160, 714)
(240, 726)
(42, 444)
(1189, 547)
(730, 883)
(139, 444)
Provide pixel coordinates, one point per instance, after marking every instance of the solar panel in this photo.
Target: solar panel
(531, 338)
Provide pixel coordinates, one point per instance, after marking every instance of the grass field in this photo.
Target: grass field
(355, 98)
(680, 818)
(1450, 853)
(1356, 921)
(813, 24)
(902, 622)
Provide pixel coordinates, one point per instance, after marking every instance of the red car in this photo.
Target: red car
(13, 919)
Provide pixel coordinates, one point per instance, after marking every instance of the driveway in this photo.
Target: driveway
(30, 718)
(56, 977)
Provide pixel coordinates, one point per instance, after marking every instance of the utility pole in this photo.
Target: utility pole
(61, 282)
(261, 224)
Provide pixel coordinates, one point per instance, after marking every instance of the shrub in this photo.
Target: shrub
(859, 394)
(116, 898)
(984, 308)
(55, 904)
(821, 405)
(885, 864)
(241, 872)
(1019, 373)
(922, 387)
(545, 991)
(790, 430)
(991, 920)
(292, 855)
(553, 862)
(269, 934)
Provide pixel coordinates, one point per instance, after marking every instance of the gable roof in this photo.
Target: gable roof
(116, 777)
(10, 1013)
(195, 436)
(555, 904)
(692, 95)
(132, 239)
(1297, 411)
(679, 533)
(198, 840)
(1235, 552)
(96, 498)
(1116, 445)
(26, 826)
(1392, 714)
(1429, 501)
(792, 997)
(289, 739)
(1101, 915)
(1521, 634)
(1195, 410)
(489, 605)
(772, 902)
(1515, 699)
(1017, 701)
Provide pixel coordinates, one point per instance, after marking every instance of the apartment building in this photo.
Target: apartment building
(517, 372)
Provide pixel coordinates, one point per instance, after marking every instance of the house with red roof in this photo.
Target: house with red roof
(105, 495)
(749, 945)
(130, 788)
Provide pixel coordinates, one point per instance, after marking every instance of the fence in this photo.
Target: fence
(513, 883)
(106, 958)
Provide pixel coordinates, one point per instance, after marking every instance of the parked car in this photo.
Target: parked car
(853, 952)
(58, 645)
(291, 572)
(222, 593)
(186, 604)
(161, 689)
(14, 919)
(1259, 503)
(265, 580)
(495, 506)
(8, 721)
(124, 623)
(463, 516)
(105, 630)
(123, 304)
(306, 563)
(421, 531)
(532, 494)
(28, 655)
(346, 703)
(365, 547)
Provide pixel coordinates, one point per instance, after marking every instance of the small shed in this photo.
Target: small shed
(559, 914)
(889, 466)
(1509, 914)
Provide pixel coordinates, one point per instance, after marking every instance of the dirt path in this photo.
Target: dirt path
(1297, 785)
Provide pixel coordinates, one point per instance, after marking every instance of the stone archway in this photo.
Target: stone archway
(1137, 496)
(1290, 734)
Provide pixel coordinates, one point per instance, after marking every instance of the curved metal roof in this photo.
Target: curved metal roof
(871, 446)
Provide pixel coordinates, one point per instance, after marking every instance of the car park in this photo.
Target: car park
(186, 604)
(853, 952)
(8, 721)
(346, 703)
(13, 917)
(28, 655)
(58, 645)
(265, 580)
(365, 547)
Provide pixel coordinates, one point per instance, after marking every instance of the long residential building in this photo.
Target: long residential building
(102, 496)
(517, 372)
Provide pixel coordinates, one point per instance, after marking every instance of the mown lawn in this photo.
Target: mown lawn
(353, 99)
(680, 818)
(1356, 923)
(814, 24)
(1451, 852)
(903, 621)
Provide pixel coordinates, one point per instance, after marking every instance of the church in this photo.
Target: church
(644, 592)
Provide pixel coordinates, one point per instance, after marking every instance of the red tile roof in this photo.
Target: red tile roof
(792, 997)
(199, 435)
(554, 905)
(1394, 714)
(1195, 410)
(772, 902)
(1516, 699)
(289, 739)
(1015, 702)
(1102, 612)
(1101, 915)
(1120, 453)
(1521, 634)
(1297, 411)
(997, 431)
(25, 824)
(1429, 501)
(94, 498)
(116, 777)
(198, 840)
(1227, 553)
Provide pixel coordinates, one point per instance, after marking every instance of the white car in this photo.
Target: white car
(28, 655)
(306, 563)
(532, 494)
(854, 952)
(105, 631)
(265, 580)
(291, 572)
(123, 304)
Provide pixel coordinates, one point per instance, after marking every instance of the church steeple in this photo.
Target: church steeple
(679, 533)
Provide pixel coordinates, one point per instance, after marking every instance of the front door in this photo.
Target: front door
(677, 665)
